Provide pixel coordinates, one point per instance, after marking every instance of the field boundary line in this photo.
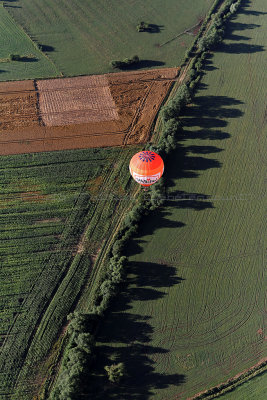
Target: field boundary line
(184, 32)
(232, 383)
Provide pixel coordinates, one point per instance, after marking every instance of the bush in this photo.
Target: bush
(135, 60)
(142, 27)
(76, 356)
(234, 7)
(77, 322)
(107, 287)
(117, 64)
(192, 74)
(174, 106)
(85, 341)
(115, 372)
(125, 63)
(14, 57)
(213, 37)
(117, 247)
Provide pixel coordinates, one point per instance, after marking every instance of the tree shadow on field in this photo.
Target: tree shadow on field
(143, 64)
(233, 26)
(238, 26)
(46, 49)
(27, 59)
(238, 48)
(157, 219)
(204, 120)
(154, 28)
(244, 10)
(131, 335)
(208, 64)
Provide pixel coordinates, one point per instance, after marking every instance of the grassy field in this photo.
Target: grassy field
(192, 312)
(15, 41)
(55, 211)
(255, 389)
(83, 36)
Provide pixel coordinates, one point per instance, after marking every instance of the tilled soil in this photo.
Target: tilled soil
(81, 112)
(18, 105)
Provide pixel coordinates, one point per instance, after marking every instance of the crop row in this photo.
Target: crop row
(28, 161)
(32, 232)
(41, 275)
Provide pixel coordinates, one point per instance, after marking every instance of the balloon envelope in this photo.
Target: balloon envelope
(146, 167)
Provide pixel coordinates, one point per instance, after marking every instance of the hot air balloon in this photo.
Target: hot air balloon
(146, 167)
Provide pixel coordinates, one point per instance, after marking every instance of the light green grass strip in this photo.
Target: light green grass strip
(15, 41)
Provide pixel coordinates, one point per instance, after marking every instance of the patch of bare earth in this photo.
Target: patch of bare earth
(18, 105)
(76, 100)
(93, 111)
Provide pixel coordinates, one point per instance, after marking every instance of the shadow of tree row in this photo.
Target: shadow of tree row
(124, 335)
(132, 333)
(245, 10)
(233, 26)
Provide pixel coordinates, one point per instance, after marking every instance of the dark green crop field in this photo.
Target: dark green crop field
(83, 36)
(193, 311)
(55, 210)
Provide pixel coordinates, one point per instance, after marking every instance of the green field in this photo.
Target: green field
(255, 389)
(83, 36)
(192, 313)
(15, 41)
(55, 210)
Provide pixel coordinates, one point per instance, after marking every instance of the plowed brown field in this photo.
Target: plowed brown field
(91, 111)
(18, 105)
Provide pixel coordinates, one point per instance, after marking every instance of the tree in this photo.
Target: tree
(234, 7)
(77, 322)
(115, 372)
(117, 64)
(135, 60)
(85, 342)
(125, 63)
(14, 57)
(142, 27)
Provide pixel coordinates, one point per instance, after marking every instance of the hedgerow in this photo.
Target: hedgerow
(231, 384)
(78, 356)
(74, 365)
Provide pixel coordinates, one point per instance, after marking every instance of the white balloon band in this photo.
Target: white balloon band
(146, 179)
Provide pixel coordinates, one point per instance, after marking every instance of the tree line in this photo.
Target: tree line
(79, 355)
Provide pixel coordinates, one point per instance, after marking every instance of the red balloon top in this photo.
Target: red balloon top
(147, 163)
